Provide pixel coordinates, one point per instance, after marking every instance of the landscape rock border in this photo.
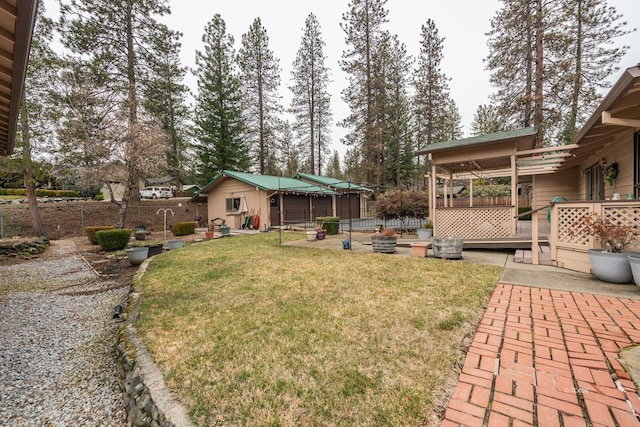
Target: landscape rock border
(147, 399)
(25, 249)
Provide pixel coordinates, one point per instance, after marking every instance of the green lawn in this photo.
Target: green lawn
(248, 332)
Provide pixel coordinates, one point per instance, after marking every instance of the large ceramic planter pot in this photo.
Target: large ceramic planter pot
(384, 244)
(311, 235)
(175, 244)
(447, 247)
(321, 234)
(419, 249)
(634, 262)
(137, 255)
(425, 233)
(610, 267)
(225, 230)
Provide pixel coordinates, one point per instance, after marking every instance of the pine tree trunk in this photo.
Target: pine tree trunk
(29, 175)
(537, 115)
(577, 77)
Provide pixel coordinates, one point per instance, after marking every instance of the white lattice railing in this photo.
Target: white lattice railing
(565, 218)
(568, 246)
(475, 223)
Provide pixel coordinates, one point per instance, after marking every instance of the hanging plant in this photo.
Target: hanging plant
(610, 172)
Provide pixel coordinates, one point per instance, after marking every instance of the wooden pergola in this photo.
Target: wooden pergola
(503, 154)
(17, 21)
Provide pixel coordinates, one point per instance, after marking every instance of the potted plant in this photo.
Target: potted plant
(447, 247)
(426, 232)
(385, 241)
(610, 172)
(609, 263)
(137, 255)
(321, 233)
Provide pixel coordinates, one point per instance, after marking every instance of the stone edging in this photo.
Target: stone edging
(147, 400)
(23, 249)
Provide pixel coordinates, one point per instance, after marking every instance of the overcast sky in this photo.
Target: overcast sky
(463, 24)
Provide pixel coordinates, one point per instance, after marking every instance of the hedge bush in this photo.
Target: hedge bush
(91, 232)
(522, 209)
(113, 240)
(39, 193)
(183, 228)
(329, 223)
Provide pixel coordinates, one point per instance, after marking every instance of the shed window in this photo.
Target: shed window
(233, 204)
(594, 182)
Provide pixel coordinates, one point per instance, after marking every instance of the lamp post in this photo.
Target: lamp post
(165, 222)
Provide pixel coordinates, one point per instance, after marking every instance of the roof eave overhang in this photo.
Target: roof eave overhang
(629, 77)
(24, 26)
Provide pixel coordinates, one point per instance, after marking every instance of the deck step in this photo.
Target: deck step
(524, 256)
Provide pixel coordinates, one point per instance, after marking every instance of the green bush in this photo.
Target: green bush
(91, 232)
(522, 209)
(39, 192)
(113, 240)
(183, 228)
(98, 196)
(329, 223)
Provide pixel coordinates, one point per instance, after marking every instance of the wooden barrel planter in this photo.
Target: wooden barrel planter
(447, 247)
(383, 244)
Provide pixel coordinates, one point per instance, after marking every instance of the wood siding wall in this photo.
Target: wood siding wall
(567, 184)
(257, 202)
(618, 150)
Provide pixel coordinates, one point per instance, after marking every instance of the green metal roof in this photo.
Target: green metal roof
(331, 182)
(480, 139)
(269, 183)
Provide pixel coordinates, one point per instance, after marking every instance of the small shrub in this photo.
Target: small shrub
(98, 197)
(388, 232)
(183, 228)
(113, 240)
(329, 223)
(91, 232)
(428, 225)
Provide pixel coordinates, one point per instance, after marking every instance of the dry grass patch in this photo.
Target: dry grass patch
(248, 332)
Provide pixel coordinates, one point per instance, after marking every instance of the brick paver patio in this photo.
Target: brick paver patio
(548, 358)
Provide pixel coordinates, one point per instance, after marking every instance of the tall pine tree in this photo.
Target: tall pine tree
(219, 123)
(364, 33)
(165, 97)
(548, 61)
(260, 77)
(311, 100)
(115, 38)
(431, 99)
(37, 114)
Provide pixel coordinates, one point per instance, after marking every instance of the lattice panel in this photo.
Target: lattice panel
(567, 228)
(622, 215)
(478, 223)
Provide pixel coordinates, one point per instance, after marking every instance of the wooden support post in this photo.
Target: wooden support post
(514, 195)
(433, 192)
(535, 245)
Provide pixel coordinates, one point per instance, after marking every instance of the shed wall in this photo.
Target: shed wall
(231, 188)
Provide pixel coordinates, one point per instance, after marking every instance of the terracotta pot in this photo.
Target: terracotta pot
(419, 249)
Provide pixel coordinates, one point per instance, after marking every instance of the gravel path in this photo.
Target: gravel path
(57, 335)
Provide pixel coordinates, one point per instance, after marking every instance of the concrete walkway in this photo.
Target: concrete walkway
(546, 351)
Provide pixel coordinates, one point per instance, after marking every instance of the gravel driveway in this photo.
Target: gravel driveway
(57, 335)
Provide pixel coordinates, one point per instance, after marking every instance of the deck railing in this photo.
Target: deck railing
(489, 222)
(568, 246)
